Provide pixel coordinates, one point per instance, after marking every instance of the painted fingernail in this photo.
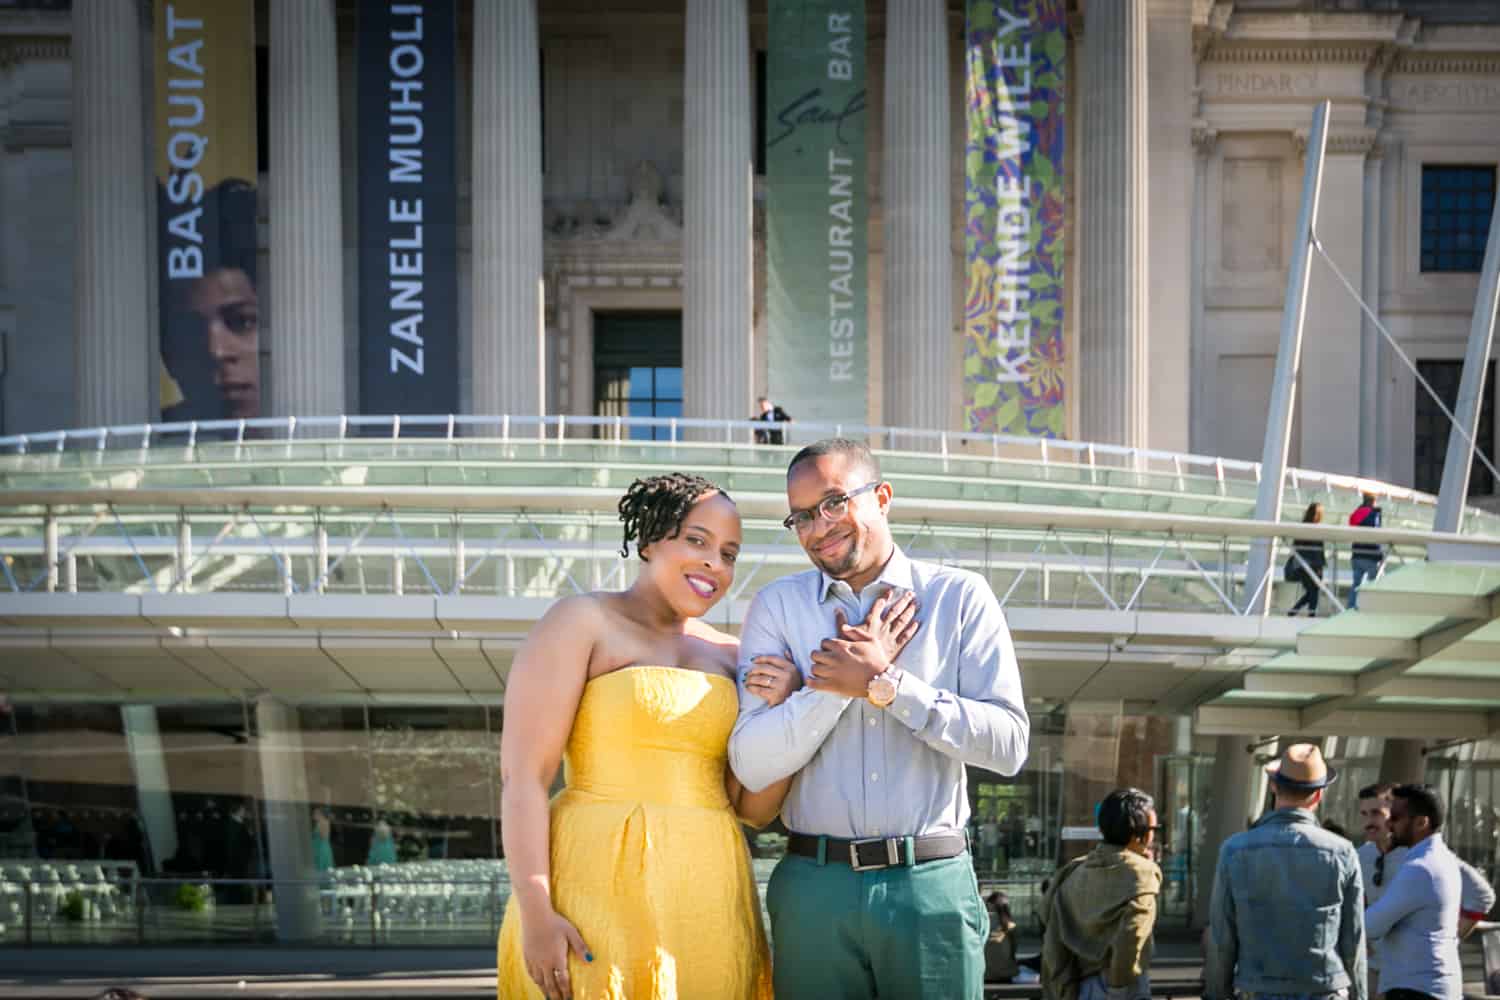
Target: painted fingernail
(588, 956)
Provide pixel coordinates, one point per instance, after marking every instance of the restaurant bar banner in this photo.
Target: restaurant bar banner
(1013, 233)
(205, 169)
(408, 207)
(816, 216)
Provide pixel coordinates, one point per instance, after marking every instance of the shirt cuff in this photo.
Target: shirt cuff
(914, 701)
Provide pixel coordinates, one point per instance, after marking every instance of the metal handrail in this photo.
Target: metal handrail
(1049, 451)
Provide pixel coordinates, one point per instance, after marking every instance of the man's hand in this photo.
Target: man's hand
(892, 623)
(843, 667)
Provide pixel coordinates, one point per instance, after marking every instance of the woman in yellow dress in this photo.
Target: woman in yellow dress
(634, 883)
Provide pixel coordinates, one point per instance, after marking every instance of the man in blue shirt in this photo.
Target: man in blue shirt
(876, 896)
(1287, 917)
(1416, 920)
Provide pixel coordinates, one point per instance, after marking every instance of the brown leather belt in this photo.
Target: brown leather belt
(878, 852)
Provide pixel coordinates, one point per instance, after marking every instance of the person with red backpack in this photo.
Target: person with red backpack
(1366, 556)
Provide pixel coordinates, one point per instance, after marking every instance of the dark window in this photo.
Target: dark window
(1456, 207)
(1432, 427)
(263, 108)
(638, 368)
(760, 113)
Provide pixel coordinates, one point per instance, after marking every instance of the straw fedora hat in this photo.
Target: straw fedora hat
(1301, 767)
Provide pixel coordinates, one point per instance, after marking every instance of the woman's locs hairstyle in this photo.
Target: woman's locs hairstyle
(654, 508)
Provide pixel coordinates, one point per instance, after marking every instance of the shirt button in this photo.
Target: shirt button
(905, 713)
(872, 720)
(874, 776)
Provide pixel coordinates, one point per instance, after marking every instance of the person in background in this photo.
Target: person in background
(772, 414)
(1287, 915)
(1311, 574)
(1000, 964)
(1100, 909)
(382, 846)
(322, 843)
(1415, 921)
(1366, 557)
(1380, 858)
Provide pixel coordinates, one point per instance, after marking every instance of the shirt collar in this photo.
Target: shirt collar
(1288, 816)
(1427, 844)
(895, 576)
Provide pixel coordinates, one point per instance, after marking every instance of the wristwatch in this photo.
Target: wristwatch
(882, 687)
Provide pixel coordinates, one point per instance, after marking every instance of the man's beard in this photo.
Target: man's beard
(844, 566)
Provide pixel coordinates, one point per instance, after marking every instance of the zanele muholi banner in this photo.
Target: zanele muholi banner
(1013, 217)
(408, 207)
(816, 214)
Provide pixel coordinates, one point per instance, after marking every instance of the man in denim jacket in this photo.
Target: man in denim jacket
(1287, 918)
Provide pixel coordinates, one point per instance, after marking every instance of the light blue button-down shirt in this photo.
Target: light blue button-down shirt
(863, 771)
(1415, 923)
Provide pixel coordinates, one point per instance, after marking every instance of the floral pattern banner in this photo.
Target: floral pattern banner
(1015, 53)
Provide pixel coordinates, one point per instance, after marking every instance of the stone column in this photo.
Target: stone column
(915, 197)
(1239, 789)
(1171, 78)
(288, 819)
(114, 371)
(1330, 389)
(1403, 762)
(506, 270)
(1113, 274)
(307, 246)
(716, 262)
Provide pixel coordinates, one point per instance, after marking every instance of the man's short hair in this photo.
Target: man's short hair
(1379, 790)
(856, 451)
(1422, 800)
(1124, 815)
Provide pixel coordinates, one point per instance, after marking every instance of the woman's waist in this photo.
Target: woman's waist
(708, 798)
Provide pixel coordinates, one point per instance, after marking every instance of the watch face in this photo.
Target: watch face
(882, 690)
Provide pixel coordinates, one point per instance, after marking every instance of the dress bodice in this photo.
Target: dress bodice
(653, 734)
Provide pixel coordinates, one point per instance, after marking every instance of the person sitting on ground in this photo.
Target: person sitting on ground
(1000, 964)
(1101, 908)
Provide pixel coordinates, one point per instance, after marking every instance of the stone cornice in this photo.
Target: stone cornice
(1227, 51)
(1448, 63)
(22, 48)
(1361, 142)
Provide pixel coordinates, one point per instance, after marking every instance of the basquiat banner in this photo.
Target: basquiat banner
(816, 215)
(205, 168)
(1013, 201)
(408, 207)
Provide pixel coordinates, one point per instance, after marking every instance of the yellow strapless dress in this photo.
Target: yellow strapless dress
(648, 860)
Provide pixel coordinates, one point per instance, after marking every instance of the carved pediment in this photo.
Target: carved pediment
(646, 217)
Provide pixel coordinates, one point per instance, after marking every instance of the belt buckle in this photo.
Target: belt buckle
(892, 858)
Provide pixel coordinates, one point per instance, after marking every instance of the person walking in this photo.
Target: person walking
(876, 895)
(1308, 560)
(1287, 912)
(1366, 557)
(1415, 921)
(1100, 909)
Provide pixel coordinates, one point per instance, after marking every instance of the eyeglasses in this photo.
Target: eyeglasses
(829, 508)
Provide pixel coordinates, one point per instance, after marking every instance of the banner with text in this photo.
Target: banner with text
(408, 207)
(205, 168)
(1013, 232)
(816, 216)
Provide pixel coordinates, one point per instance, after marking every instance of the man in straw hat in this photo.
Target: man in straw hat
(1287, 917)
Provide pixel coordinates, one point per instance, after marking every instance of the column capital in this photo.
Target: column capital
(1205, 138)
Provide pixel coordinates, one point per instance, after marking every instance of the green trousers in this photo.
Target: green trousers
(896, 933)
